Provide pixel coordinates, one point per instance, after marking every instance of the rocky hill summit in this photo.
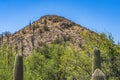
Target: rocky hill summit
(48, 29)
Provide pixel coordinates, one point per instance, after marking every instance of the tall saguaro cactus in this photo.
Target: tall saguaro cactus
(18, 67)
(96, 63)
(98, 75)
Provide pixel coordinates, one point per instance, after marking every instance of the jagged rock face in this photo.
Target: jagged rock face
(48, 29)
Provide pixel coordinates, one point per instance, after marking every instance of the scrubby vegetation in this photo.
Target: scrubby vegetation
(63, 61)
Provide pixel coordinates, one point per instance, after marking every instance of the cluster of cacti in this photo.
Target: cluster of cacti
(98, 75)
(18, 67)
(96, 60)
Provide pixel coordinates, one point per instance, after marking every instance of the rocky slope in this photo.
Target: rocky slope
(48, 29)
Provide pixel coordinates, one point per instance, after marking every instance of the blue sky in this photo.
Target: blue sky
(97, 15)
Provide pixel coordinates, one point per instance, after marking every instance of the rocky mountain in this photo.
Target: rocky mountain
(62, 50)
(48, 29)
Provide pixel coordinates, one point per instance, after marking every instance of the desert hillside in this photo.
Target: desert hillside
(55, 48)
(48, 29)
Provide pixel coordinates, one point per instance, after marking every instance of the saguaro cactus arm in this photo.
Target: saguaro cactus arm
(98, 75)
(18, 67)
(96, 60)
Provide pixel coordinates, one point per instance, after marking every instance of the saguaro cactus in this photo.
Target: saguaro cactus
(98, 75)
(18, 67)
(96, 60)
